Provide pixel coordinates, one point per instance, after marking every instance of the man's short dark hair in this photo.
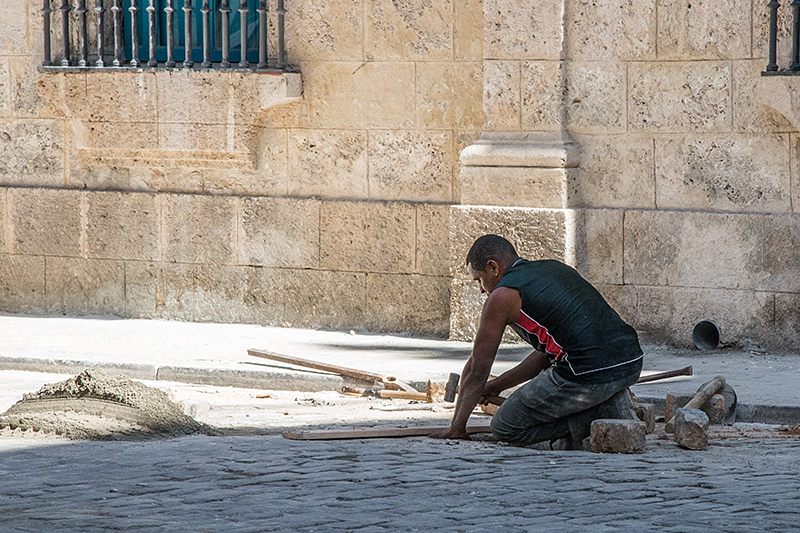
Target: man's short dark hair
(490, 247)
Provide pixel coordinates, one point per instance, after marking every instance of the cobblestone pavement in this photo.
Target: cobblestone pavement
(271, 484)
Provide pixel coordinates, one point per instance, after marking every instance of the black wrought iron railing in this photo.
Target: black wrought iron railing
(190, 34)
(772, 66)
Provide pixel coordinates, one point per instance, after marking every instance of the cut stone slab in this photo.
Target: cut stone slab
(617, 436)
(647, 414)
(618, 407)
(691, 429)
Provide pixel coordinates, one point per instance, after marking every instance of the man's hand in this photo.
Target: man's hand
(451, 433)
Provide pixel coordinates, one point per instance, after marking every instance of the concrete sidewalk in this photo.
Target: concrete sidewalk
(216, 354)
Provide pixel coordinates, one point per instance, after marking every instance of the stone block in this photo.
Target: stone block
(22, 283)
(324, 298)
(749, 110)
(14, 39)
(780, 270)
(282, 232)
(502, 104)
(328, 163)
(675, 401)
(85, 286)
(646, 412)
(358, 95)
(617, 171)
(786, 331)
(408, 303)
(271, 176)
(33, 152)
(617, 436)
(5, 87)
(518, 186)
(329, 31)
(240, 182)
(193, 136)
(535, 233)
(198, 229)
(433, 240)
(542, 92)
(447, 93)
(668, 314)
(687, 248)
(107, 135)
(466, 302)
(468, 32)
(6, 234)
(676, 97)
(794, 146)
(604, 30)
(415, 29)
(95, 175)
(33, 94)
(621, 298)
(604, 246)
(158, 290)
(205, 96)
(232, 294)
(724, 172)
(122, 97)
(691, 429)
(367, 236)
(123, 226)
(45, 221)
(518, 29)
(595, 99)
(690, 29)
(411, 165)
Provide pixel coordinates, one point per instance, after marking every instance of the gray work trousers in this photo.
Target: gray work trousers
(540, 409)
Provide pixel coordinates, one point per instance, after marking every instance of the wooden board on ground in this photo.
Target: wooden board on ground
(375, 433)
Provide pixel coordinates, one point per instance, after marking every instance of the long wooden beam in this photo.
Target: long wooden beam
(375, 433)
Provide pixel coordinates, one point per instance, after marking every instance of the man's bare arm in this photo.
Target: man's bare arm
(524, 371)
(501, 308)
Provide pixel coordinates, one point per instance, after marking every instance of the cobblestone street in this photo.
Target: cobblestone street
(271, 484)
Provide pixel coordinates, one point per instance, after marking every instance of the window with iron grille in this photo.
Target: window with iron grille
(159, 33)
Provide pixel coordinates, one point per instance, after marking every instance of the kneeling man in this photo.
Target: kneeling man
(585, 355)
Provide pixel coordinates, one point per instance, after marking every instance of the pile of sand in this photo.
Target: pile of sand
(94, 405)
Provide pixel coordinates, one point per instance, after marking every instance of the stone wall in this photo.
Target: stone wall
(687, 178)
(636, 141)
(241, 196)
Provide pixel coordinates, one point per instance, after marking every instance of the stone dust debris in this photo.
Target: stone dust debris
(94, 405)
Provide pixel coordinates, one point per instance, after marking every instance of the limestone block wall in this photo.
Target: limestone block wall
(688, 172)
(266, 260)
(210, 195)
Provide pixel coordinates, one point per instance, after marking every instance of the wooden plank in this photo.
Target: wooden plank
(376, 433)
(344, 371)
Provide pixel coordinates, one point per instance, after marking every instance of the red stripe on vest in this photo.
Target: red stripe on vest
(549, 343)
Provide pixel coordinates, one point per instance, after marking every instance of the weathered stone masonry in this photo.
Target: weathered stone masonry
(636, 141)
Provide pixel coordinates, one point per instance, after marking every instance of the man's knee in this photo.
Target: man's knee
(506, 426)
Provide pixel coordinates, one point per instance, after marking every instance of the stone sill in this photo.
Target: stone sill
(767, 73)
(162, 68)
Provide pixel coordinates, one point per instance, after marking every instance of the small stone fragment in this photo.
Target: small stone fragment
(691, 429)
(617, 436)
(714, 408)
(675, 401)
(647, 414)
